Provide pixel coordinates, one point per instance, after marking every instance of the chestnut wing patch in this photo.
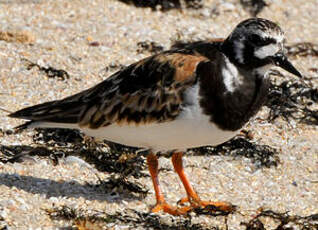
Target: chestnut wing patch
(150, 90)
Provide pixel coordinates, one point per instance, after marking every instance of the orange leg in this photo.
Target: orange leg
(161, 204)
(192, 196)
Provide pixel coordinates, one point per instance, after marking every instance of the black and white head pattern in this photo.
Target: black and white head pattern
(254, 41)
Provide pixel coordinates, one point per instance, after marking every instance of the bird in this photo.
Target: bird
(198, 93)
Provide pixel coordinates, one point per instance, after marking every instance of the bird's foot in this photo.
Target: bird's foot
(172, 210)
(214, 206)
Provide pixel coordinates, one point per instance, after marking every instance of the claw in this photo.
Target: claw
(183, 200)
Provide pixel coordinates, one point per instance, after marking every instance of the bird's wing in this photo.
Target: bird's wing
(150, 90)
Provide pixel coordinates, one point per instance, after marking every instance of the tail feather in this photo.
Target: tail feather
(23, 126)
(54, 111)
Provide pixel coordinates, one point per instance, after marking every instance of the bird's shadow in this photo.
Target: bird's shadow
(58, 144)
(101, 191)
(55, 144)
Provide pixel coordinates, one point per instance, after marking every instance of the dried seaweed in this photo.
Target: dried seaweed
(63, 212)
(165, 5)
(292, 100)
(212, 210)
(194, 4)
(303, 49)
(121, 184)
(92, 219)
(260, 155)
(254, 224)
(20, 153)
(254, 7)
(149, 46)
(147, 220)
(110, 68)
(57, 137)
(150, 221)
(59, 143)
(113, 66)
(114, 159)
(49, 71)
(286, 222)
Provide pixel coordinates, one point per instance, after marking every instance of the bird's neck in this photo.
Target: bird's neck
(232, 95)
(234, 52)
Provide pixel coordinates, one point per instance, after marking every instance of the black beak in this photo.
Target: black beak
(281, 60)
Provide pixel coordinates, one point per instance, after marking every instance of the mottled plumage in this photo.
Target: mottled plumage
(150, 90)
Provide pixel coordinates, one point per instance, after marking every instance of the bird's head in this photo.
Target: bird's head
(257, 44)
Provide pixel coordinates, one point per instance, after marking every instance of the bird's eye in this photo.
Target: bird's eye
(256, 40)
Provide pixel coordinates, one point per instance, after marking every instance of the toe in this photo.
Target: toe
(172, 210)
(157, 208)
(176, 211)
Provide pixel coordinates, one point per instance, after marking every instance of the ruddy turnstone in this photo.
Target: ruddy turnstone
(195, 94)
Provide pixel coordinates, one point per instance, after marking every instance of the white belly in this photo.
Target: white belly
(180, 134)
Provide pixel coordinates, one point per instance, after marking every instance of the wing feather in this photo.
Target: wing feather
(150, 90)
